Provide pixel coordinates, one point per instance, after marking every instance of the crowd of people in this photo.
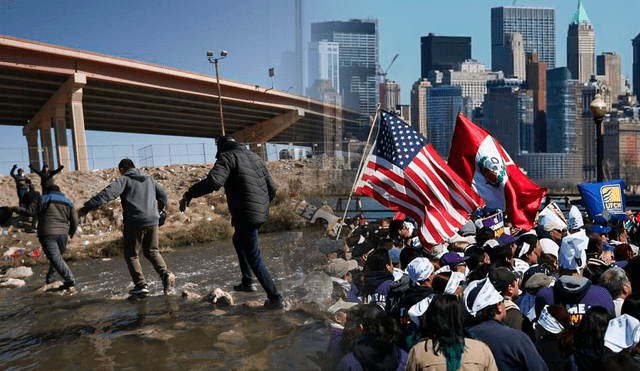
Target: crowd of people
(563, 296)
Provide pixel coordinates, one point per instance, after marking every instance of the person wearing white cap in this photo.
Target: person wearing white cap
(575, 222)
(571, 289)
(549, 251)
(552, 340)
(444, 345)
(512, 349)
(421, 273)
(622, 333)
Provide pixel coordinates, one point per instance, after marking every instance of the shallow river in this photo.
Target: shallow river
(99, 328)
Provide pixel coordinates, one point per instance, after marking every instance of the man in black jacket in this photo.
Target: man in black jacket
(249, 190)
(57, 218)
(46, 176)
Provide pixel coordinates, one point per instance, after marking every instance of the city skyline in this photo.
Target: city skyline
(259, 34)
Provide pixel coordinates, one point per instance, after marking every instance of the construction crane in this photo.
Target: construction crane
(384, 98)
(384, 73)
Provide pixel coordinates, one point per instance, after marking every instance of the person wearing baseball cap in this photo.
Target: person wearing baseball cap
(512, 349)
(506, 282)
(571, 289)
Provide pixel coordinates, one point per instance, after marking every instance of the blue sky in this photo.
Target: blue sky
(258, 34)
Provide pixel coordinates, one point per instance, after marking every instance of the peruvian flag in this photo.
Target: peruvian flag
(481, 162)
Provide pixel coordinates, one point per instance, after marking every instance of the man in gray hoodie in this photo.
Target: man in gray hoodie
(141, 198)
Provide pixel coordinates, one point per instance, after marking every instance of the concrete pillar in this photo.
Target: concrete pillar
(45, 141)
(60, 129)
(32, 143)
(77, 131)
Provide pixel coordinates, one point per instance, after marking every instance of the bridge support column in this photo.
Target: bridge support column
(77, 130)
(60, 129)
(69, 93)
(32, 143)
(45, 141)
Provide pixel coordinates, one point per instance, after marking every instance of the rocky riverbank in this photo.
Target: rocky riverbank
(207, 219)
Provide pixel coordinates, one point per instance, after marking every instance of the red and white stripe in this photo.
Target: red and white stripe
(427, 190)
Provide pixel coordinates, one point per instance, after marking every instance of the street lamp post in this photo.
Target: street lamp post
(223, 54)
(598, 110)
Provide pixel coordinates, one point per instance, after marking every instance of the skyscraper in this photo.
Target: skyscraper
(443, 105)
(609, 65)
(419, 106)
(508, 114)
(323, 64)
(537, 26)
(472, 77)
(389, 95)
(564, 105)
(443, 52)
(636, 65)
(358, 59)
(537, 83)
(581, 46)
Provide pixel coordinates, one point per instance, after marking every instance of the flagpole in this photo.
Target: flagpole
(365, 154)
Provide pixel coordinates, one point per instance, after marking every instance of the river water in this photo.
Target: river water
(100, 328)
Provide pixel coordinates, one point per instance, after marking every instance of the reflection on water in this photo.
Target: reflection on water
(99, 328)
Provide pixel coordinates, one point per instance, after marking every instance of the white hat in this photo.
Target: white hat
(550, 220)
(572, 254)
(623, 332)
(549, 247)
(479, 295)
(418, 309)
(419, 270)
(491, 243)
(575, 219)
(549, 322)
(454, 282)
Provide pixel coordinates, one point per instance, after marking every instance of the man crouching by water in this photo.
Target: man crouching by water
(57, 218)
(142, 198)
(249, 190)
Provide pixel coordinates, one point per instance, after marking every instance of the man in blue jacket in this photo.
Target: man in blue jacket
(57, 219)
(250, 189)
(141, 199)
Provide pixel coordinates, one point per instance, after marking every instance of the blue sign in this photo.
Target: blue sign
(603, 201)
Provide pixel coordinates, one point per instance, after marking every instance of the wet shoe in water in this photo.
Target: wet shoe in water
(67, 285)
(273, 304)
(245, 288)
(140, 289)
(168, 282)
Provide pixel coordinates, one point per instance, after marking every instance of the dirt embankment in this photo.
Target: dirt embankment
(207, 219)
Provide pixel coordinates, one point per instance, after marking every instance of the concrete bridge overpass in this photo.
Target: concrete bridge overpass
(45, 87)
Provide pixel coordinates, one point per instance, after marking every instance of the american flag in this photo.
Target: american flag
(405, 174)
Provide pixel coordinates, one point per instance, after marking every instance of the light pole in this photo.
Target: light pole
(598, 110)
(223, 54)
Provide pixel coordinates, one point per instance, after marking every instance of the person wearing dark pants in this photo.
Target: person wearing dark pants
(29, 198)
(57, 218)
(46, 176)
(22, 183)
(54, 247)
(249, 189)
(245, 242)
(142, 199)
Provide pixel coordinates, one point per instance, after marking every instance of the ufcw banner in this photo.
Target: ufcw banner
(603, 200)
